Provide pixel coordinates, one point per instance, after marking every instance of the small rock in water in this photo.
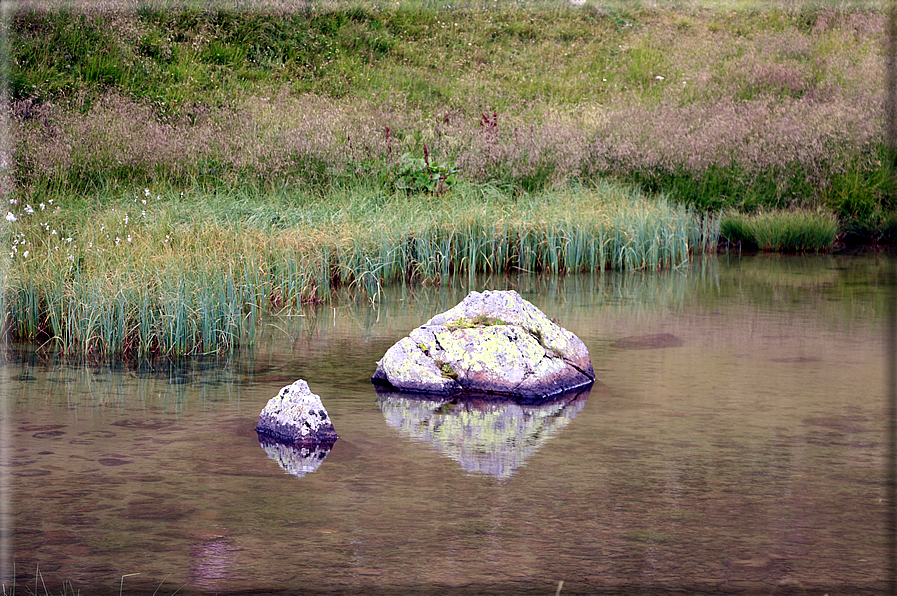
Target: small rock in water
(296, 415)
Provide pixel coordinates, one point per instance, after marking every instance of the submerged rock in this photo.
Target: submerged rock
(296, 416)
(649, 342)
(492, 342)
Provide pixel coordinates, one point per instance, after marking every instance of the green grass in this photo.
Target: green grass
(143, 272)
(781, 231)
(717, 104)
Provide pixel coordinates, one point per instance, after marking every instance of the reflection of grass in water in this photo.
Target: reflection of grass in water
(787, 271)
(839, 284)
(562, 297)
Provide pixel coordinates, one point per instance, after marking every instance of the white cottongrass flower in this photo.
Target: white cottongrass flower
(146, 192)
(53, 233)
(26, 254)
(42, 206)
(29, 210)
(10, 217)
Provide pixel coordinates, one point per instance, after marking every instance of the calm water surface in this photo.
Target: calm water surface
(745, 457)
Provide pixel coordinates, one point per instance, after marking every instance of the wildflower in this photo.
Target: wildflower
(143, 201)
(143, 213)
(117, 241)
(125, 220)
(129, 237)
(29, 210)
(53, 233)
(42, 206)
(26, 254)
(659, 78)
(69, 240)
(71, 258)
(146, 192)
(13, 201)
(10, 217)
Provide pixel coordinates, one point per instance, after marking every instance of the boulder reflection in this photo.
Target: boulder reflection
(295, 458)
(486, 436)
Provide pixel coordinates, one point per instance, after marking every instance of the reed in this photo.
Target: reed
(782, 231)
(191, 272)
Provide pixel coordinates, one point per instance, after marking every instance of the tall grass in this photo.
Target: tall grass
(195, 274)
(715, 105)
(781, 230)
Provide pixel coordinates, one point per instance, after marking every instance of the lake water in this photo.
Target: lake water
(748, 456)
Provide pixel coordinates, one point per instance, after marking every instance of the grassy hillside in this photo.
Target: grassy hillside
(718, 104)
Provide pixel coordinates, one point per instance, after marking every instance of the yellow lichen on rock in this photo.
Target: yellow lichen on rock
(494, 342)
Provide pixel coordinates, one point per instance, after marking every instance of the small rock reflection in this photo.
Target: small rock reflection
(295, 459)
(212, 561)
(485, 436)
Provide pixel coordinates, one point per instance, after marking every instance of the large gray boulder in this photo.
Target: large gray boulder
(296, 416)
(493, 342)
